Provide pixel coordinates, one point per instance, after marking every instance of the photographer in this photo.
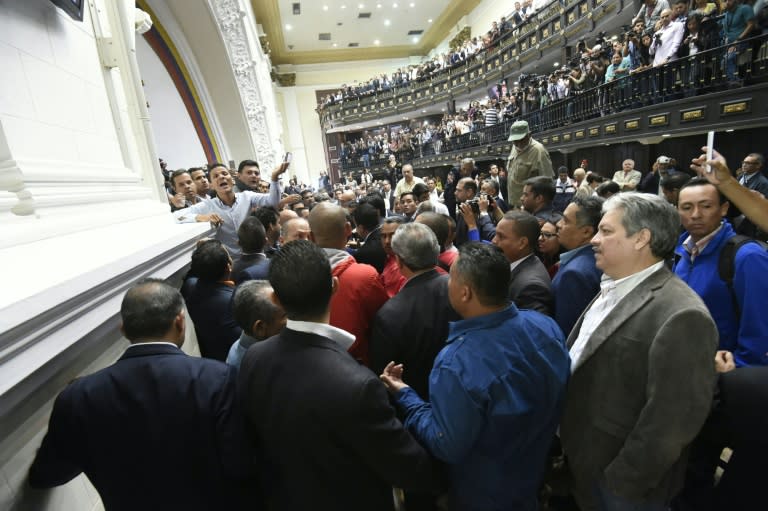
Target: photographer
(474, 212)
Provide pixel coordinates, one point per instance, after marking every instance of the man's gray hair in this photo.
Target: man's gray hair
(252, 302)
(416, 246)
(648, 211)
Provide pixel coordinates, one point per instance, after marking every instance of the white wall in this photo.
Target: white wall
(175, 137)
(82, 217)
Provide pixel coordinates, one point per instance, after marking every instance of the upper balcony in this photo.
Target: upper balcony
(532, 47)
(684, 97)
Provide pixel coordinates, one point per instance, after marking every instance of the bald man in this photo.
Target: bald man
(360, 293)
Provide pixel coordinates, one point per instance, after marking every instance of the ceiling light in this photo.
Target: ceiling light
(666, 135)
(423, 111)
(343, 6)
(405, 118)
(557, 64)
(442, 109)
(288, 27)
(413, 4)
(376, 42)
(378, 6)
(361, 6)
(386, 23)
(394, 6)
(325, 7)
(429, 20)
(415, 40)
(729, 131)
(335, 45)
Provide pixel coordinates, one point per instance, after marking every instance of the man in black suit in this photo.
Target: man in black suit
(500, 180)
(325, 421)
(209, 299)
(530, 287)
(156, 430)
(369, 230)
(253, 263)
(413, 325)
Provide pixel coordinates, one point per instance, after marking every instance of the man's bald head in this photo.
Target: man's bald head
(329, 225)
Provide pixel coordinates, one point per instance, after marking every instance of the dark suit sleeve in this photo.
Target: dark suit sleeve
(56, 462)
(383, 345)
(234, 446)
(572, 296)
(486, 227)
(535, 296)
(679, 391)
(385, 446)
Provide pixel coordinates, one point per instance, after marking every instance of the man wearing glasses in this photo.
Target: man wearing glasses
(752, 176)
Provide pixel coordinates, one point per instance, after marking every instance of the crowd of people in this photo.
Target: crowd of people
(466, 52)
(465, 341)
(654, 59)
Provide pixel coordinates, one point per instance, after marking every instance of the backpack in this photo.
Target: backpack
(726, 264)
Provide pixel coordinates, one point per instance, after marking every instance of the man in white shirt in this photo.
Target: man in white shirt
(642, 362)
(666, 40)
(228, 210)
(627, 178)
(408, 181)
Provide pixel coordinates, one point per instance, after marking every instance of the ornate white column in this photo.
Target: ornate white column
(251, 70)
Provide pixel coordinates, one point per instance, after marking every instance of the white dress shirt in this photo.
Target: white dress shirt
(337, 335)
(611, 293)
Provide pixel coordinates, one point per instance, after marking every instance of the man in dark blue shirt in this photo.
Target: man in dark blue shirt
(496, 390)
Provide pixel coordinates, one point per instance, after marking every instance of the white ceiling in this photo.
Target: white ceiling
(388, 25)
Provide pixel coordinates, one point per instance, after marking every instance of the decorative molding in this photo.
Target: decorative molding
(286, 79)
(247, 64)
(463, 36)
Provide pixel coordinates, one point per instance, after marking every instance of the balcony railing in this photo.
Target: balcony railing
(697, 76)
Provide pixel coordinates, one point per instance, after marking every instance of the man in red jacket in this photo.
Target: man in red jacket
(360, 293)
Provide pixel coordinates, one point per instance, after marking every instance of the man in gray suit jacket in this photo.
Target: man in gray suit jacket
(530, 286)
(642, 362)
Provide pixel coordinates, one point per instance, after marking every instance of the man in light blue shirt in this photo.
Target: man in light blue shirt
(228, 209)
(257, 314)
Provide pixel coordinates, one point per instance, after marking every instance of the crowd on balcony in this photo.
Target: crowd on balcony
(653, 59)
(466, 52)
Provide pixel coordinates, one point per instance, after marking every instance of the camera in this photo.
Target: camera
(475, 205)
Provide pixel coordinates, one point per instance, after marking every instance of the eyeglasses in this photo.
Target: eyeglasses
(548, 235)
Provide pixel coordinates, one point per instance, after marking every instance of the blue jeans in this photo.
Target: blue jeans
(731, 61)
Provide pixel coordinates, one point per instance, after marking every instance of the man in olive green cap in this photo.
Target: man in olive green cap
(528, 159)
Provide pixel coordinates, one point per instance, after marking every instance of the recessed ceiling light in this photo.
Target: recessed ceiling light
(729, 131)
(335, 45)
(386, 23)
(343, 6)
(378, 6)
(429, 20)
(288, 27)
(557, 64)
(413, 4)
(415, 40)
(376, 42)
(361, 6)
(325, 7)
(423, 111)
(666, 135)
(394, 6)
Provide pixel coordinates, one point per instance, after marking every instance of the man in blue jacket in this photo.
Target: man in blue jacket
(578, 279)
(743, 326)
(496, 390)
